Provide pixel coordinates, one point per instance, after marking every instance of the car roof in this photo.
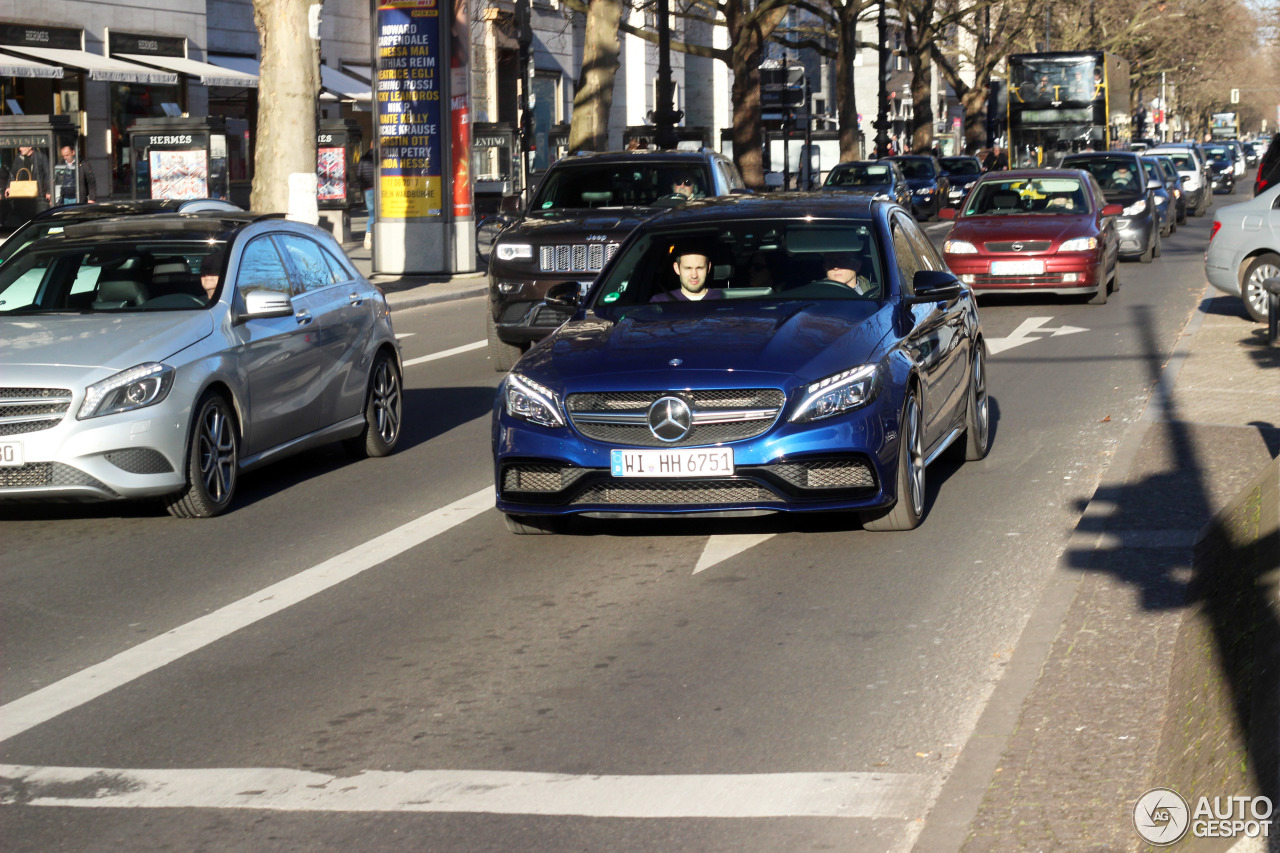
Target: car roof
(789, 205)
(221, 225)
(673, 156)
(1032, 173)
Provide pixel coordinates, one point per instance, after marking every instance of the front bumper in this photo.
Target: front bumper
(1136, 233)
(1065, 273)
(923, 205)
(519, 309)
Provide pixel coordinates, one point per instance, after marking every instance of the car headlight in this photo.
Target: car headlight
(882, 197)
(959, 247)
(513, 251)
(527, 400)
(839, 393)
(135, 388)
(1139, 206)
(1079, 244)
(925, 191)
(1162, 199)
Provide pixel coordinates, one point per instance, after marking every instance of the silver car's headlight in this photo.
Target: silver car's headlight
(135, 388)
(527, 400)
(512, 251)
(839, 393)
(1139, 206)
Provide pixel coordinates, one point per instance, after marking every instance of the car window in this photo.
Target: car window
(261, 268)
(961, 166)
(904, 254)
(859, 175)
(340, 271)
(308, 260)
(630, 183)
(1011, 196)
(928, 256)
(918, 169)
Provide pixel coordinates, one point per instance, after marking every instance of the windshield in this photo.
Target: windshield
(860, 175)
(1028, 195)
(162, 276)
(1112, 173)
(768, 260)
(618, 185)
(1183, 161)
(961, 165)
(918, 169)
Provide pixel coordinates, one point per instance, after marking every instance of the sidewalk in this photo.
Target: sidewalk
(411, 291)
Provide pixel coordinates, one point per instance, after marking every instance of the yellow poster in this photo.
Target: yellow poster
(404, 197)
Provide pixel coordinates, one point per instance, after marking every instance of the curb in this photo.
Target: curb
(418, 297)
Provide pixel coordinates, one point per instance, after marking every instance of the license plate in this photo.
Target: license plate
(10, 454)
(1017, 267)
(706, 462)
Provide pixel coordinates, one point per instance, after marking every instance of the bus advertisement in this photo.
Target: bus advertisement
(1224, 126)
(1062, 103)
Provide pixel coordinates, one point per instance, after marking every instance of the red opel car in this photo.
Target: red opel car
(1036, 230)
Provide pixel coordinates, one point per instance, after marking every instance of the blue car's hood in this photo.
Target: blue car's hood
(731, 342)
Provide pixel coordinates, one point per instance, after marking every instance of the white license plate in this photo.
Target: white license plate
(1017, 267)
(10, 454)
(706, 462)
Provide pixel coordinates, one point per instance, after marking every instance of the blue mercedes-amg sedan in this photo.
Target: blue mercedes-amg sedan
(746, 356)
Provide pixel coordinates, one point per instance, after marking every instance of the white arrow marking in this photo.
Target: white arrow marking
(721, 548)
(1024, 334)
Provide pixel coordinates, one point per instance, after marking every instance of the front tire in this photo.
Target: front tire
(907, 513)
(383, 409)
(1255, 295)
(213, 462)
(502, 354)
(977, 417)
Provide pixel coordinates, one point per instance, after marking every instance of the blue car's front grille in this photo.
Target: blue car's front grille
(719, 416)
(678, 492)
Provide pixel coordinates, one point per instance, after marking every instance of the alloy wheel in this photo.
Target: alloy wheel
(386, 402)
(217, 454)
(915, 456)
(1254, 293)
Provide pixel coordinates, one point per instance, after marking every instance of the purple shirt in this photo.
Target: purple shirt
(678, 295)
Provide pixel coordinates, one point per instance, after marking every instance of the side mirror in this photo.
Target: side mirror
(565, 294)
(265, 304)
(509, 204)
(934, 286)
(1154, 184)
(1112, 209)
(947, 213)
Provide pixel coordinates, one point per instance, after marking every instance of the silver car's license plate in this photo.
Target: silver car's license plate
(10, 454)
(704, 462)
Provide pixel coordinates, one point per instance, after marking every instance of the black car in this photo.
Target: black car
(1166, 195)
(1127, 181)
(872, 177)
(584, 207)
(962, 172)
(928, 182)
(1222, 170)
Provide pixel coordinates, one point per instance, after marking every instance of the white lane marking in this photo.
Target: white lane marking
(445, 353)
(720, 548)
(1023, 334)
(850, 795)
(402, 335)
(88, 684)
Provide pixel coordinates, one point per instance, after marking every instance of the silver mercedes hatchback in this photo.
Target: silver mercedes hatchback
(160, 356)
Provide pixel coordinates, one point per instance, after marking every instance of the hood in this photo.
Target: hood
(920, 183)
(103, 343)
(962, 180)
(577, 225)
(634, 345)
(1004, 229)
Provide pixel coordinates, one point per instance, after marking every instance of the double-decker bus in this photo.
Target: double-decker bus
(1061, 103)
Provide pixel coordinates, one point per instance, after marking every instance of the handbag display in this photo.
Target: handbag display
(20, 188)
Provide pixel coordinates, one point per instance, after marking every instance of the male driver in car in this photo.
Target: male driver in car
(693, 268)
(845, 267)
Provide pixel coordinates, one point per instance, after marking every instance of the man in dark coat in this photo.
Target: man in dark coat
(71, 191)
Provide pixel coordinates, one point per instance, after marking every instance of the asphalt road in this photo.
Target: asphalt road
(360, 657)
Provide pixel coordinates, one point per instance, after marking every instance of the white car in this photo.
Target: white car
(1191, 168)
(1244, 250)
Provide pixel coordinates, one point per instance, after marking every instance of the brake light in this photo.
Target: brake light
(1214, 229)
(1260, 184)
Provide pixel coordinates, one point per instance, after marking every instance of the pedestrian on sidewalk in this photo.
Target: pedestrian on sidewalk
(366, 174)
(75, 181)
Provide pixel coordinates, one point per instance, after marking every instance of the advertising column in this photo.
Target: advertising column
(424, 198)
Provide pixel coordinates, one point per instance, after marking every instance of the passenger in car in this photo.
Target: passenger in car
(846, 267)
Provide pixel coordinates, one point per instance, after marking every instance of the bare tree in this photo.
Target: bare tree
(288, 86)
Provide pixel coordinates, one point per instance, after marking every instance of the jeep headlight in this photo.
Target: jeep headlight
(514, 251)
(529, 401)
(836, 394)
(135, 388)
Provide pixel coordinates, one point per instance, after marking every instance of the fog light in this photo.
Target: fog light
(967, 279)
(1068, 277)
(508, 286)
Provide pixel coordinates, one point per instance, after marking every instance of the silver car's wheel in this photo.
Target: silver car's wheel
(213, 461)
(382, 411)
(909, 509)
(1255, 295)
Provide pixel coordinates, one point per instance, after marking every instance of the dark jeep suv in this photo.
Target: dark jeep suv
(582, 210)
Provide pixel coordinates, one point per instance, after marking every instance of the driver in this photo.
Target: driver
(846, 268)
(686, 186)
(1122, 179)
(694, 268)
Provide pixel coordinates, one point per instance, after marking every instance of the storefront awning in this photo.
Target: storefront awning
(360, 72)
(209, 75)
(335, 84)
(99, 67)
(16, 66)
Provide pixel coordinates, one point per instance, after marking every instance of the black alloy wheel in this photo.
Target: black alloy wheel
(213, 462)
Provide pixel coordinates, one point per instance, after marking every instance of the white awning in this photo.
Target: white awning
(209, 75)
(358, 71)
(338, 86)
(16, 66)
(99, 67)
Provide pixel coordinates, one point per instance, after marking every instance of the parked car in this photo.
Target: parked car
(1269, 169)
(962, 172)
(830, 387)
(1036, 230)
(160, 356)
(1186, 160)
(1244, 250)
(1126, 181)
(873, 177)
(577, 217)
(928, 182)
(1166, 195)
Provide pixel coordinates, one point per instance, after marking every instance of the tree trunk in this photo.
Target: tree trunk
(974, 100)
(288, 87)
(846, 97)
(922, 102)
(593, 99)
(748, 30)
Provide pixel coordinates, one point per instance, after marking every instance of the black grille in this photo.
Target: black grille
(674, 492)
(41, 474)
(140, 460)
(700, 401)
(833, 474)
(515, 312)
(24, 410)
(1046, 280)
(539, 478)
(548, 315)
(1027, 246)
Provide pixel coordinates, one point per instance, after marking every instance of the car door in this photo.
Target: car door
(280, 357)
(1106, 227)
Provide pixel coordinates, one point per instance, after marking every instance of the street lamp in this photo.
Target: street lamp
(665, 116)
(882, 111)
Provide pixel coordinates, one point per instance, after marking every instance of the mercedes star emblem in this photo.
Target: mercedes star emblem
(670, 419)
(676, 362)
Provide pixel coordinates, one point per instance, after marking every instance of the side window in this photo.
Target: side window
(735, 179)
(337, 267)
(261, 268)
(308, 260)
(905, 255)
(929, 259)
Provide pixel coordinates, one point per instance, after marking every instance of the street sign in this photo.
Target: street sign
(1235, 96)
